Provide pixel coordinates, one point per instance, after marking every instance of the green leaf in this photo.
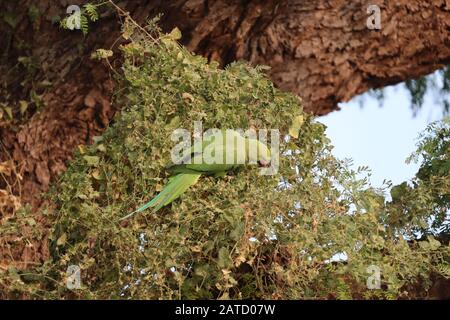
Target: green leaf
(31, 222)
(23, 106)
(224, 261)
(11, 19)
(175, 34)
(101, 148)
(9, 112)
(434, 244)
(61, 240)
(96, 174)
(295, 127)
(91, 10)
(92, 160)
(175, 122)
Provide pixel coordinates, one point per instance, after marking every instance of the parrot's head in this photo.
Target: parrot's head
(263, 155)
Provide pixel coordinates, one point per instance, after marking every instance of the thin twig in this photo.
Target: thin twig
(127, 15)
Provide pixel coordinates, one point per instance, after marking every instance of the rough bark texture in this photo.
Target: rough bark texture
(321, 50)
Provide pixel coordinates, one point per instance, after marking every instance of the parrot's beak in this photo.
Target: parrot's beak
(263, 163)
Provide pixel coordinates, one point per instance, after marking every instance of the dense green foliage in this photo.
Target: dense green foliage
(427, 196)
(240, 236)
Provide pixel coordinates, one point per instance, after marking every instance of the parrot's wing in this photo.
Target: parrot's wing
(216, 153)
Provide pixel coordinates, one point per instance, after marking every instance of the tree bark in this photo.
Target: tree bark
(321, 50)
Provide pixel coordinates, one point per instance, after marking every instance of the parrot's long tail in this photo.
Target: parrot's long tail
(177, 186)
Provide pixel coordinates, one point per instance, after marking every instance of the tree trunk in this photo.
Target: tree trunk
(321, 50)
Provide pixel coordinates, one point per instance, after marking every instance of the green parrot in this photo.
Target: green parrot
(215, 155)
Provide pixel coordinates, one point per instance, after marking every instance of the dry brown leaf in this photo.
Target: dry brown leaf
(8, 202)
(6, 168)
